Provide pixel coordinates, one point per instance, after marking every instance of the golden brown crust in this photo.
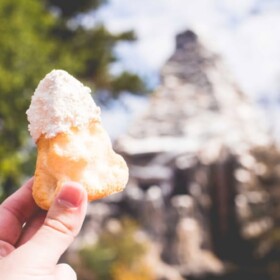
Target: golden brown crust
(85, 155)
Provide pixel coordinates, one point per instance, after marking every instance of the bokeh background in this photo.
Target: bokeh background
(189, 92)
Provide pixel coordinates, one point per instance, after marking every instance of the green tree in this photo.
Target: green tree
(92, 46)
(115, 253)
(36, 37)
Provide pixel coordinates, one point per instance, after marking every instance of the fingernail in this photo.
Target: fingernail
(70, 196)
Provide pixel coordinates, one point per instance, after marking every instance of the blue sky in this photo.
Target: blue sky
(245, 32)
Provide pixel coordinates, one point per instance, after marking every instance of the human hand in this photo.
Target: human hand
(32, 241)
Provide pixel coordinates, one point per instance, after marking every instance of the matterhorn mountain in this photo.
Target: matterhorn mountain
(197, 104)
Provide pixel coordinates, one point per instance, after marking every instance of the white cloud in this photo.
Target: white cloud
(245, 32)
(238, 8)
(254, 54)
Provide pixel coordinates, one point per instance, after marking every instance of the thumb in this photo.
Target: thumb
(63, 222)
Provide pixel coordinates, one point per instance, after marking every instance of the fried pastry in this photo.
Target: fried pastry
(72, 145)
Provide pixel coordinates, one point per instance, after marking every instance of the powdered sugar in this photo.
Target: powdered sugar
(59, 103)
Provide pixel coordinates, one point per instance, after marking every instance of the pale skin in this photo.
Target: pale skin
(33, 240)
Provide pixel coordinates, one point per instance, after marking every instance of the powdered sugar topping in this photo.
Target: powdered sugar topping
(60, 102)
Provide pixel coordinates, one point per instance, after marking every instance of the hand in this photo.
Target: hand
(32, 241)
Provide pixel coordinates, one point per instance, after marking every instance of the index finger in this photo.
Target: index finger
(15, 211)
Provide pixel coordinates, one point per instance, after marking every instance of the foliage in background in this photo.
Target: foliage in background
(36, 37)
(117, 255)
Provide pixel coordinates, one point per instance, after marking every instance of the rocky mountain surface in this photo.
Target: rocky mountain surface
(204, 176)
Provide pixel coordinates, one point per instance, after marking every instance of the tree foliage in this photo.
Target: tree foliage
(70, 9)
(117, 255)
(36, 37)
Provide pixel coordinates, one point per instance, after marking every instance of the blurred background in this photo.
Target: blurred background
(189, 92)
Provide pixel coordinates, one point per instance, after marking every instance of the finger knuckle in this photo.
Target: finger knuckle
(60, 226)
